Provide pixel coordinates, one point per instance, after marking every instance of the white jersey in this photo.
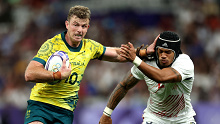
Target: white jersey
(170, 101)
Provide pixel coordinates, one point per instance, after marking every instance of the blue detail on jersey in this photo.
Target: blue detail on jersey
(100, 58)
(39, 60)
(72, 49)
(72, 101)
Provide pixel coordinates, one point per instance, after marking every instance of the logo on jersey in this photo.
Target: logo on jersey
(28, 113)
(149, 122)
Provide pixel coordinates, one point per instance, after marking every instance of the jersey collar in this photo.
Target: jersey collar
(72, 49)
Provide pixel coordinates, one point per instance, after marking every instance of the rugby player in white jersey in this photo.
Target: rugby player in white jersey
(169, 78)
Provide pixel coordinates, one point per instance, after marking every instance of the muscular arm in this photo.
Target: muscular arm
(35, 72)
(121, 89)
(165, 75)
(112, 54)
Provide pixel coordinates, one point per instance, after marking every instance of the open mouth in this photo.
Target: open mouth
(78, 36)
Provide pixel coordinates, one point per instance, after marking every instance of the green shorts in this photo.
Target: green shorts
(46, 113)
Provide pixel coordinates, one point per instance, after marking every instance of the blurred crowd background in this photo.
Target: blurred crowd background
(26, 24)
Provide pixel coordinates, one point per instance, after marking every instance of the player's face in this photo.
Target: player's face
(77, 28)
(165, 56)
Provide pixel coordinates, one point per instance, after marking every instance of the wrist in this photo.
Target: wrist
(57, 75)
(107, 111)
(137, 61)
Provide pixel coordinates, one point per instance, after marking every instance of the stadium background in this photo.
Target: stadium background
(26, 24)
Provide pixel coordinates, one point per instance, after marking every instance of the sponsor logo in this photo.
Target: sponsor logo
(165, 44)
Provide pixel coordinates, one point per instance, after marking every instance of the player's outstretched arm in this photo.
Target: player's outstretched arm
(165, 75)
(117, 95)
(112, 54)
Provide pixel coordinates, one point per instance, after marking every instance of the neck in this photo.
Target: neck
(70, 41)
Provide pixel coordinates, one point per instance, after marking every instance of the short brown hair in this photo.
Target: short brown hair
(81, 12)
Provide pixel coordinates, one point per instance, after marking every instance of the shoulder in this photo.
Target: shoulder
(90, 41)
(183, 64)
(55, 38)
(183, 58)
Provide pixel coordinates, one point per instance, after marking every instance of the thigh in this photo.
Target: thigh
(47, 114)
(35, 114)
(36, 122)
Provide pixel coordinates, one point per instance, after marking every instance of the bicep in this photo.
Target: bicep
(33, 65)
(34, 71)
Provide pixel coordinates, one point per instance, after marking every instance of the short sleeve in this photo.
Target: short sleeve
(98, 48)
(137, 73)
(184, 66)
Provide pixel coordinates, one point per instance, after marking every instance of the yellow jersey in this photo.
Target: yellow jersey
(65, 93)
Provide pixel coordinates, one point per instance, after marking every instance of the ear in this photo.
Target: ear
(88, 26)
(67, 24)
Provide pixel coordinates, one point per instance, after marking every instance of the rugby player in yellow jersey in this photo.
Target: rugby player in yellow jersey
(54, 103)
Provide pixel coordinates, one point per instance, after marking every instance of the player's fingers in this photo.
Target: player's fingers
(69, 66)
(125, 46)
(125, 52)
(130, 45)
(125, 49)
(64, 60)
(157, 38)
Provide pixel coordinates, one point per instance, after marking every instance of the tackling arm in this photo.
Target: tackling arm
(117, 95)
(121, 90)
(159, 75)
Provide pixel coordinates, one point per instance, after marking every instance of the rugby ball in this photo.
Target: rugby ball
(55, 61)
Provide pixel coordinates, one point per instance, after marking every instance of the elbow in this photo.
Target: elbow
(28, 77)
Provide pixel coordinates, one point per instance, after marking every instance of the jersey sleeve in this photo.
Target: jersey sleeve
(184, 66)
(137, 73)
(44, 52)
(99, 50)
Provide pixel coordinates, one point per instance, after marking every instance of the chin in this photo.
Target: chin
(163, 65)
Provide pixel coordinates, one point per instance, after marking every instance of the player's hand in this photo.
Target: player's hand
(128, 51)
(105, 119)
(138, 50)
(64, 70)
(151, 48)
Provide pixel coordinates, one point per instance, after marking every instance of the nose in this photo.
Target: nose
(163, 55)
(79, 29)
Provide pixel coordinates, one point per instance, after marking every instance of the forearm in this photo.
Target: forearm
(159, 75)
(113, 54)
(121, 89)
(35, 72)
(39, 76)
(116, 96)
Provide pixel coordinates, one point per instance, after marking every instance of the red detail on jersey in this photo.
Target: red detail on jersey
(172, 106)
(160, 85)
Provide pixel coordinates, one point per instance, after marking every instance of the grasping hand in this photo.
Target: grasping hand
(65, 70)
(150, 49)
(128, 51)
(105, 120)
